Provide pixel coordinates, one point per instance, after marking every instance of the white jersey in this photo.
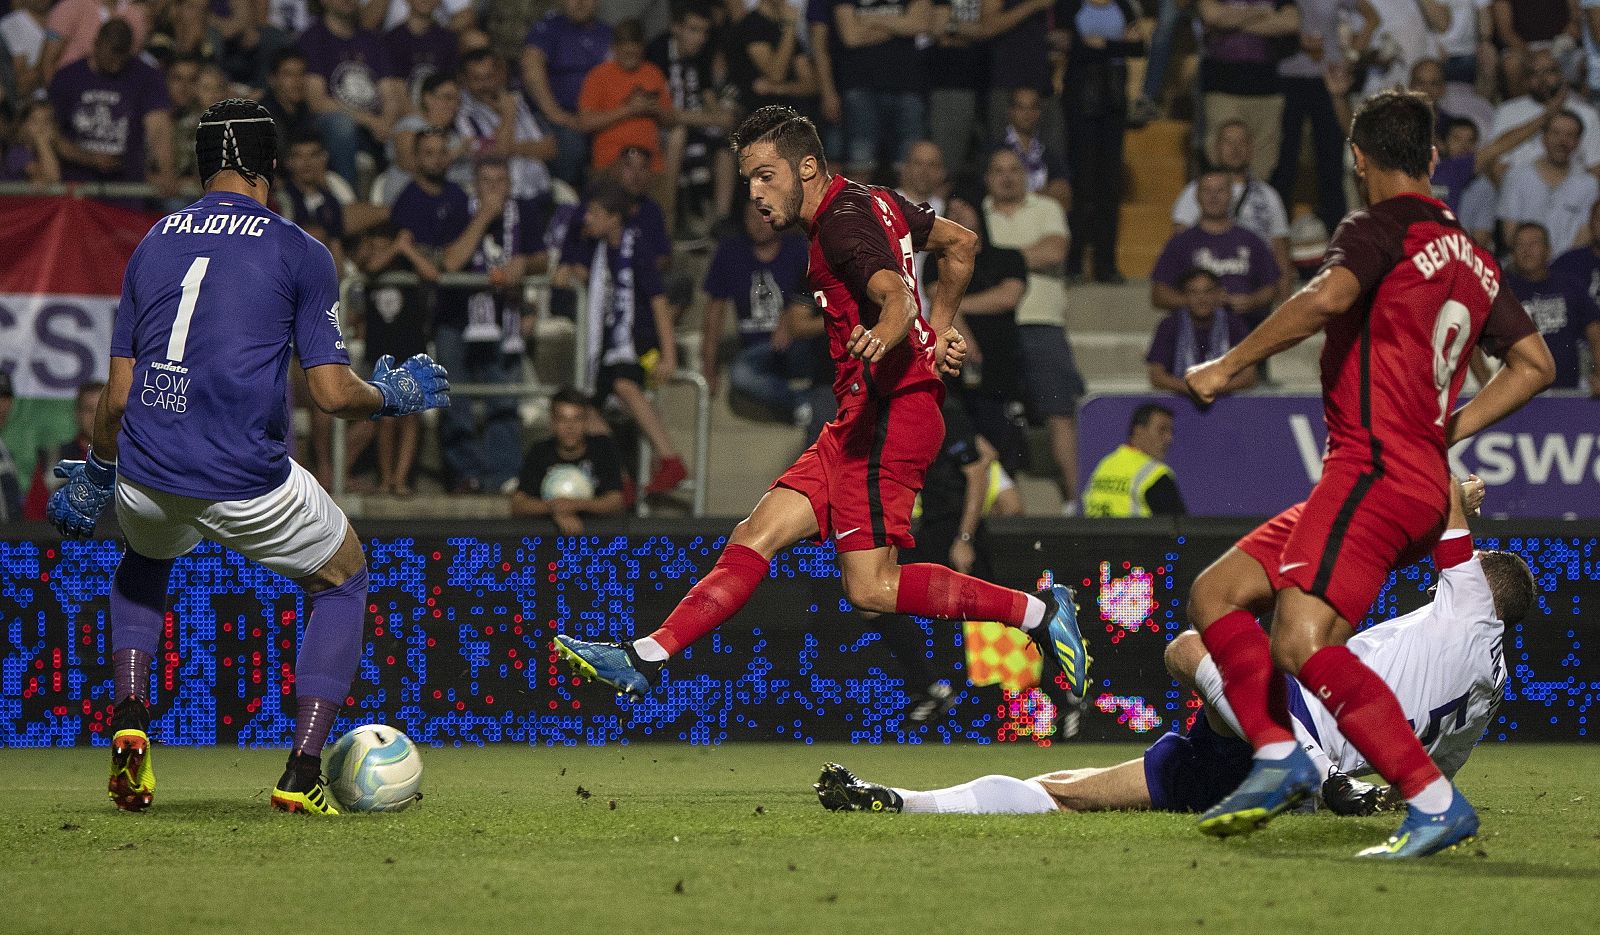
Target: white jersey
(1446, 666)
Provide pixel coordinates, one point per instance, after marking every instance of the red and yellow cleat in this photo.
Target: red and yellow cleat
(133, 779)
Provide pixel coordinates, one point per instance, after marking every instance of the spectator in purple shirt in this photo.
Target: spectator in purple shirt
(434, 209)
(113, 114)
(1458, 148)
(420, 46)
(1202, 330)
(352, 87)
(563, 47)
(1582, 264)
(761, 274)
(1560, 307)
(1240, 260)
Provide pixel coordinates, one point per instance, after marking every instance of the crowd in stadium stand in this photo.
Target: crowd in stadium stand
(586, 141)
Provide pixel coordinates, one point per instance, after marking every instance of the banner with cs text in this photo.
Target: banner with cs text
(1255, 455)
(59, 285)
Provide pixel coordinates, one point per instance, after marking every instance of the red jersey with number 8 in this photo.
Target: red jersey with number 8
(1394, 363)
(857, 231)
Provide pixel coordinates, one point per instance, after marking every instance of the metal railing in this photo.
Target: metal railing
(536, 391)
(96, 190)
(702, 444)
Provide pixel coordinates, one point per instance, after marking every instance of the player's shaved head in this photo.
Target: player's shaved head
(1394, 130)
(1511, 583)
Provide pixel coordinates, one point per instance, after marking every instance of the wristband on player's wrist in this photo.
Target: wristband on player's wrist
(101, 473)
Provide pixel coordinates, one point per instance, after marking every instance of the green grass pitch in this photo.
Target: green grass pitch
(666, 838)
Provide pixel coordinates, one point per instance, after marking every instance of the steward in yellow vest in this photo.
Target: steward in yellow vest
(1134, 480)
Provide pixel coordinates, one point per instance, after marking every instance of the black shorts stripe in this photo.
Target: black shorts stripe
(1366, 396)
(1341, 525)
(880, 435)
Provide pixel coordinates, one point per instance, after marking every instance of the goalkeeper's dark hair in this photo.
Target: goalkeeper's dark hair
(794, 135)
(1395, 131)
(1511, 583)
(238, 135)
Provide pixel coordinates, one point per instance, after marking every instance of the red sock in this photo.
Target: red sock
(936, 591)
(1370, 717)
(718, 596)
(1255, 688)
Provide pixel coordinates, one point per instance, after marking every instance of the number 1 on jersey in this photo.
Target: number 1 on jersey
(1450, 332)
(191, 294)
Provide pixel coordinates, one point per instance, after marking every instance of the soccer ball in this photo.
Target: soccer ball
(566, 482)
(374, 768)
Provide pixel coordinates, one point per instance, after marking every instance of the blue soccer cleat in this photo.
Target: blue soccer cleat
(615, 664)
(1272, 788)
(1422, 833)
(1058, 636)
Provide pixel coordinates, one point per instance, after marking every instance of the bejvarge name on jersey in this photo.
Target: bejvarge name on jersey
(243, 225)
(1460, 248)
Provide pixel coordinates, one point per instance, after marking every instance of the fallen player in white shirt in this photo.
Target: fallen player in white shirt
(1443, 660)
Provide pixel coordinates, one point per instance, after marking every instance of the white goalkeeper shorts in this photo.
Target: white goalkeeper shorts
(294, 530)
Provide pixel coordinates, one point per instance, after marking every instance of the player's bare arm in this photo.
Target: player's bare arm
(337, 390)
(1307, 312)
(113, 402)
(956, 250)
(1528, 369)
(890, 291)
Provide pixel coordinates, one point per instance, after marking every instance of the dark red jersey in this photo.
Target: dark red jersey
(859, 230)
(1394, 363)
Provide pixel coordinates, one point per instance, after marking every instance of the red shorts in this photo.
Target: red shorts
(863, 473)
(1341, 544)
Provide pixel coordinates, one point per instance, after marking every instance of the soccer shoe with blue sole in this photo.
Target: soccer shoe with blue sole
(1058, 636)
(1272, 788)
(1422, 833)
(301, 789)
(614, 664)
(839, 790)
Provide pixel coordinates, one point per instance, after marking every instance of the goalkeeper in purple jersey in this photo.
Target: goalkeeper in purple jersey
(190, 438)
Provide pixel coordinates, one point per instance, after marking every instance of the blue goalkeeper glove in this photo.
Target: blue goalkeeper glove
(77, 504)
(415, 385)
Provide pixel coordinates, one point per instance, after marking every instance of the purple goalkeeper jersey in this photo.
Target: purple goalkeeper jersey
(214, 300)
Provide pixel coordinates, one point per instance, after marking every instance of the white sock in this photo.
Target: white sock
(986, 795)
(1034, 615)
(1208, 678)
(1276, 751)
(1435, 796)
(649, 650)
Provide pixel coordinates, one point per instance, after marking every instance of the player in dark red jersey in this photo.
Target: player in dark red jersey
(858, 482)
(1404, 295)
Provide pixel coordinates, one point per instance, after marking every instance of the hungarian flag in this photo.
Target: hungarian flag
(58, 291)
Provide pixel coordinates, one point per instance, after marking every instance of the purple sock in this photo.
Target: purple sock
(329, 653)
(138, 606)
